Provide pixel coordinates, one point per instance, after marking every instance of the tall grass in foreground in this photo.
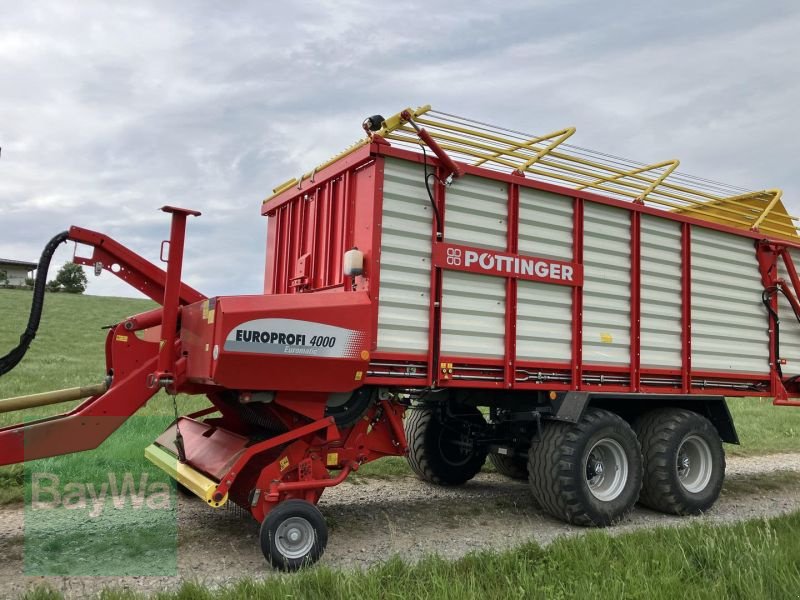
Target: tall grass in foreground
(752, 560)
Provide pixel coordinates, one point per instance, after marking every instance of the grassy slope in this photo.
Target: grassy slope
(69, 346)
(69, 351)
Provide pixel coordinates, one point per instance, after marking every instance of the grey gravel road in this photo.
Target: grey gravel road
(372, 520)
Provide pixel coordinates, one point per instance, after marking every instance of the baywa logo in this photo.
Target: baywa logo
(49, 492)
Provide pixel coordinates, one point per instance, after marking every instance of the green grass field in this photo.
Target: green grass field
(69, 351)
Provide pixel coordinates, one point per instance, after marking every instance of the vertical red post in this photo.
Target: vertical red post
(636, 297)
(512, 246)
(435, 314)
(767, 256)
(790, 269)
(271, 269)
(686, 308)
(172, 288)
(577, 296)
(366, 229)
(347, 225)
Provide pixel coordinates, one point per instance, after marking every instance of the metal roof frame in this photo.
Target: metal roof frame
(548, 158)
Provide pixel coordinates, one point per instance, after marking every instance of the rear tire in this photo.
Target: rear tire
(441, 448)
(684, 462)
(293, 535)
(515, 467)
(589, 472)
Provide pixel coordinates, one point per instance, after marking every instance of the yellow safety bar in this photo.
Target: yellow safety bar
(199, 484)
(548, 158)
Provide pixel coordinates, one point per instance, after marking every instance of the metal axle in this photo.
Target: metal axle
(54, 397)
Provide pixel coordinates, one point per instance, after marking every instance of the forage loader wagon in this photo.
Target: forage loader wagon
(576, 317)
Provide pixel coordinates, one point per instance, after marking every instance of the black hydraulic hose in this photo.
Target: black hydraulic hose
(10, 360)
(428, 189)
(765, 298)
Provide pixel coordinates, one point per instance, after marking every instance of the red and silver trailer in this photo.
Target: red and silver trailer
(575, 317)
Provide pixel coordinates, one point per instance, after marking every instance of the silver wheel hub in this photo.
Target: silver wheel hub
(294, 538)
(694, 464)
(606, 469)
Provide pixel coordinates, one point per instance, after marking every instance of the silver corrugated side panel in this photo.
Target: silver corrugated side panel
(545, 224)
(729, 322)
(789, 327)
(661, 298)
(477, 213)
(473, 314)
(404, 300)
(544, 321)
(473, 306)
(606, 289)
(544, 310)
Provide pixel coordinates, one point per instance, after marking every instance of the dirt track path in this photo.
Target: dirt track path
(375, 519)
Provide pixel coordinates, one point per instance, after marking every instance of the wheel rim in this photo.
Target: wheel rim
(694, 464)
(606, 469)
(294, 538)
(455, 448)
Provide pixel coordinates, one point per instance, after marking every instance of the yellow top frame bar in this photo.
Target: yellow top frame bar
(548, 158)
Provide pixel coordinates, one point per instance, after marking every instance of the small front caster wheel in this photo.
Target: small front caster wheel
(293, 535)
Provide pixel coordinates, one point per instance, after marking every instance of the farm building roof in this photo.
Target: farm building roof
(17, 263)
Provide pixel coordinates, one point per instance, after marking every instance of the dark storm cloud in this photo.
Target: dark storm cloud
(108, 111)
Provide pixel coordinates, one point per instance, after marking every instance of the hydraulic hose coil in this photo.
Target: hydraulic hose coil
(10, 360)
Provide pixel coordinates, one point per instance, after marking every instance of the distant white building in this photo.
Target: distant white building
(17, 270)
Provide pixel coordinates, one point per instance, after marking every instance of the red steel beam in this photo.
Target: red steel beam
(172, 292)
(636, 297)
(512, 246)
(577, 296)
(128, 266)
(686, 308)
(438, 231)
(426, 137)
(83, 428)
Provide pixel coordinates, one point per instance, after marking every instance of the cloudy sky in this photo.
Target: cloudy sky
(108, 111)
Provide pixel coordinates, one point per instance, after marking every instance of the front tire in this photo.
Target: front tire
(684, 462)
(441, 446)
(587, 473)
(293, 535)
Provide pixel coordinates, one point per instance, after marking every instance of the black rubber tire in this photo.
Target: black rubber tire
(557, 464)
(661, 434)
(515, 467)
(431, 453)
(271, 546)
(348, 413)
